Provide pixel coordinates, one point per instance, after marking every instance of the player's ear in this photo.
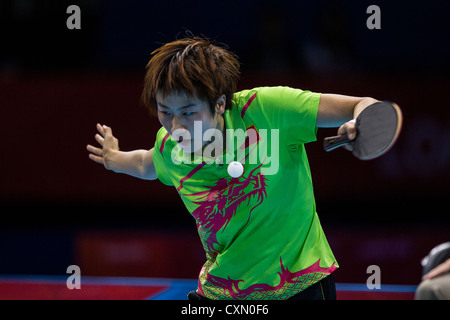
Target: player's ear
(220, 104)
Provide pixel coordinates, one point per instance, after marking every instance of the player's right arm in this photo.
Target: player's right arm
(136, 163)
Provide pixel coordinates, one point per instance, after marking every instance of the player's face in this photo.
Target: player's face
(187, 118)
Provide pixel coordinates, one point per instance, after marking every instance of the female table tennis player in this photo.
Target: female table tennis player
(260, 230)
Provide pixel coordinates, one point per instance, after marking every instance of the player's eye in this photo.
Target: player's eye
(189, 113)
(165, 113)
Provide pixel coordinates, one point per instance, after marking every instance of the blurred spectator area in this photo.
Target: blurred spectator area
(306, 36)
(48, 120)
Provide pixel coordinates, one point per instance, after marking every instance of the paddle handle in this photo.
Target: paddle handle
(331, 143)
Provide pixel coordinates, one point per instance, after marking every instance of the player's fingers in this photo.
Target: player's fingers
(96, 158)
(342, 130)
(94, 150)
(107, 131)
(99, 139)
(100, 129)
(351, 131)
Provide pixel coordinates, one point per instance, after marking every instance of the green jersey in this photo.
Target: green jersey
(260, 231)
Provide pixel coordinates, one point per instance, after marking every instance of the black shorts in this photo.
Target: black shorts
(325, 289)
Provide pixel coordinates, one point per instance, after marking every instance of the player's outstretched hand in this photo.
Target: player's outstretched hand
(349, 129)
(108, 144)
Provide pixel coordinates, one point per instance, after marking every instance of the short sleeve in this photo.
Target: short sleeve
(158, 157)
(291, 110)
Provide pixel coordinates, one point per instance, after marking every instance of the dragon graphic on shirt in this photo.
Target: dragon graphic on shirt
(219, 203)
(290, 283)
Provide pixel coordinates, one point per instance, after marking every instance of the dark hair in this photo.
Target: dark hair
(192, 66)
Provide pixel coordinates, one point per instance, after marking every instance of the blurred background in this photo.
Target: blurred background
(58, 208)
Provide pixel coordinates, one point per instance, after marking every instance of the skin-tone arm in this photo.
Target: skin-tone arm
(334, 111)
(137, 163)
(339, 111)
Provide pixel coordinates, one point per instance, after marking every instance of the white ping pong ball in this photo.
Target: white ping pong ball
(235, 169)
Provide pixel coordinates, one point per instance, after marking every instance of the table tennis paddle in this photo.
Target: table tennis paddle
(377, 129)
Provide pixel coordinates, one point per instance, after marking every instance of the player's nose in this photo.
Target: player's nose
(178, 129)
(177, 124)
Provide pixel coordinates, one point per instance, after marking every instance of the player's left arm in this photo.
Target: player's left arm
(337, 110)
